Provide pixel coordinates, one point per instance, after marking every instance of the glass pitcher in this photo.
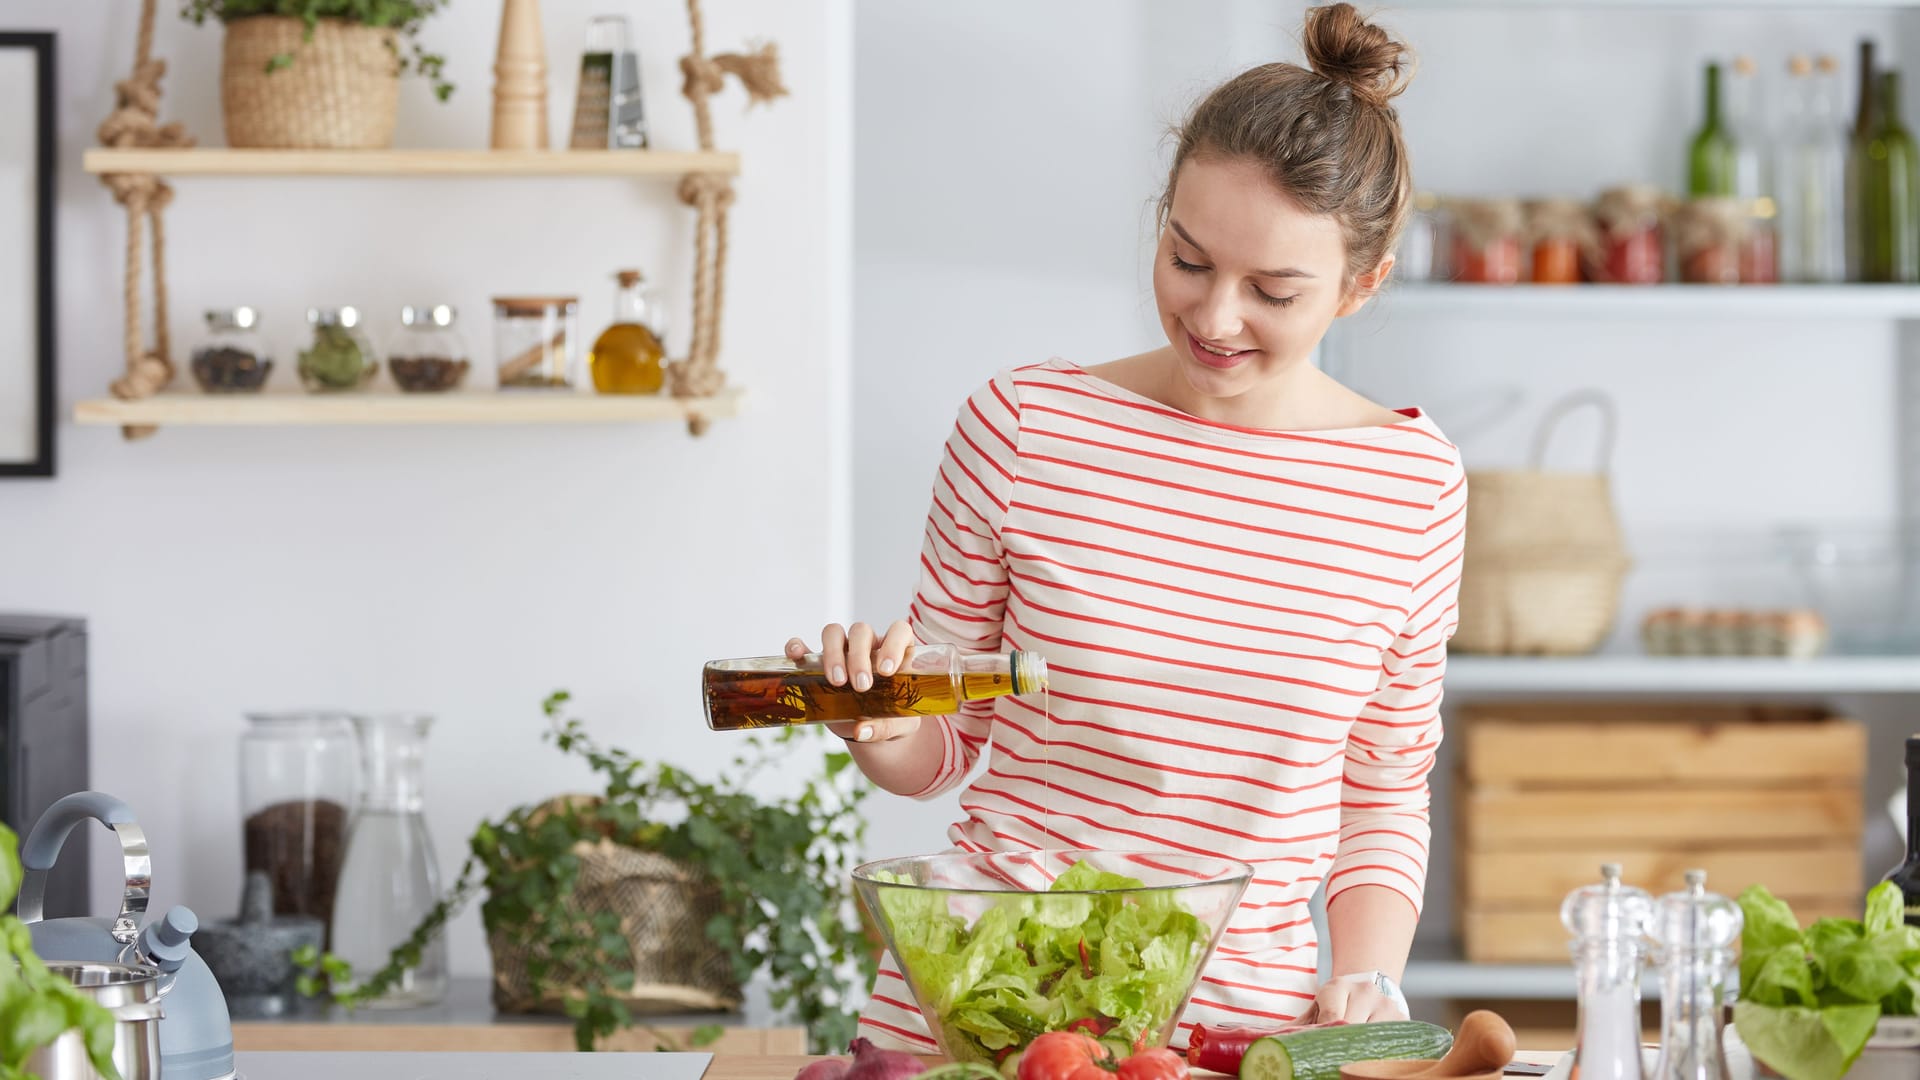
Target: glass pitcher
(391, 878)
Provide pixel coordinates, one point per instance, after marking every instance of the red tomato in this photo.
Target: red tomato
(1158, 1063)
(1065, 1055)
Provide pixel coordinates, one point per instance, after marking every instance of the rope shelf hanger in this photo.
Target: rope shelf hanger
(134, 124)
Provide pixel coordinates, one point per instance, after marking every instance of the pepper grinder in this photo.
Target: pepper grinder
(1693, 932)
(1607, 921)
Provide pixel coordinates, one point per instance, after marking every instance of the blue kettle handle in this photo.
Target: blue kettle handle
(49, 834)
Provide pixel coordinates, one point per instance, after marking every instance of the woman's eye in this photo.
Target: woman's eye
(1184, 266)
(1276, 301)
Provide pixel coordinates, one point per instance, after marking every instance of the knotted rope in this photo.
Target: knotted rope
(132, 125)
(711, 194)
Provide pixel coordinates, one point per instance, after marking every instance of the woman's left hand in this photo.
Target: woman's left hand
(1355, 1001)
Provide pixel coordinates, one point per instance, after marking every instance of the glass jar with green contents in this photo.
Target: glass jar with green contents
(340, 357)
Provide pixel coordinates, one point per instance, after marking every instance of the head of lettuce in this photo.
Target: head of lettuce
(1809, 999)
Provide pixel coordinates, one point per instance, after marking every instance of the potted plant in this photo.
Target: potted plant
(662, 893)
(38, 1007)
(317, 74)
(1834, 1000)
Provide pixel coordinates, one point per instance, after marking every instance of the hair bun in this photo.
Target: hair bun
(1344, 47)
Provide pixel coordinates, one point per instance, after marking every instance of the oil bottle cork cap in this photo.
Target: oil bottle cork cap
(1743, 65)
(629, 278)
(1826, 64)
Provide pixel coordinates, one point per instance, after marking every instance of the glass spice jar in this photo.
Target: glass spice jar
(1709, 235)
(1486, 240)
(1558, 232)
(341, 357)
(1632, 238)
(427, 354)
(535, 339)
(299, 776)
(1420, 256)
(234, 358)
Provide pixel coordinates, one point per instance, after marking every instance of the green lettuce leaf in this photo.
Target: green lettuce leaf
(1801, 1043)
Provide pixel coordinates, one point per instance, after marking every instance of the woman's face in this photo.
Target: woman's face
(1247, 282)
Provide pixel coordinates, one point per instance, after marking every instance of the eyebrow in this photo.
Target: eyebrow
(1289, 272)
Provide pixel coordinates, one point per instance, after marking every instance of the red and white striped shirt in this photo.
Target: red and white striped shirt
(1245, 633)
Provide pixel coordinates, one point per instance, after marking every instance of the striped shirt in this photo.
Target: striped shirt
(1245, 633)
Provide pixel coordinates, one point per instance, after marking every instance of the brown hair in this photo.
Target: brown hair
(1327, 137)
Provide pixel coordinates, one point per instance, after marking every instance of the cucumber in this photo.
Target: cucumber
(1118, 1046)
(1317, 1054)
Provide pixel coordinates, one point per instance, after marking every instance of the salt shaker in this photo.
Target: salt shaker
(1607, 921)
(1693, 932)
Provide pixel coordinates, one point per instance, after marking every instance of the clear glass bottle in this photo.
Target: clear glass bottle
(1418, 256)
(299, 779)
(1811, 175)
(1694, 933)
(776, 691)
(427, 354)
(340, 357)
(628, 357)
(235, 357)
(1607, 921)
(391, 878)
(1753, 183)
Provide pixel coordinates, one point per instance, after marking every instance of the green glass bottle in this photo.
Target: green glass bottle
(1887, 166)
(1711, 160)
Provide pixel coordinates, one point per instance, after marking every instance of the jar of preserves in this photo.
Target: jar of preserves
(535, 340)
(234, 358)
(1486, 240)
(427, 354)
(1710, 233)
(1559, 231)
(340, 357)
(1632, 238)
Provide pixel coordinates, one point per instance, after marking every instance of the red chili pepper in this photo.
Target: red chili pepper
(1220, 1048)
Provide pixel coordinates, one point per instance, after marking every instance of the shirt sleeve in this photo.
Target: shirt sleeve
(962, 593)
(1384, 824)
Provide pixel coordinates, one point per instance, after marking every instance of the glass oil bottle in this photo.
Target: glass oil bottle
(628, 357)
(777, 691)
(1607, 921)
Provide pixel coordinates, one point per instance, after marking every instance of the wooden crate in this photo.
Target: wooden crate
(1548, 792)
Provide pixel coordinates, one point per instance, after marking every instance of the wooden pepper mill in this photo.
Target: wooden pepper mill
(520, 79)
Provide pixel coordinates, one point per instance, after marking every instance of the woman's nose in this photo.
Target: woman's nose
(1217, 316)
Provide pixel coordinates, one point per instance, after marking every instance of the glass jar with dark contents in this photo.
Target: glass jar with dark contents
(234, 358)
(427, 354)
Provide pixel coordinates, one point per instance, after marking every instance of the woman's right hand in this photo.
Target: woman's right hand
(850, 654)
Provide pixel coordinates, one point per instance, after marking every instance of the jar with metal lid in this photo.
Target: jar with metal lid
(427, 354)
(341, 357)
(234, 358)
(536, 340)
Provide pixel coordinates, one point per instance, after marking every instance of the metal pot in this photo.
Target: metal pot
(132, 994)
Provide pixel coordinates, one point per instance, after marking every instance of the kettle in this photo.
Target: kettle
(196, 1035)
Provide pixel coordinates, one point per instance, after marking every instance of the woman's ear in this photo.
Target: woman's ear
(1364, 287)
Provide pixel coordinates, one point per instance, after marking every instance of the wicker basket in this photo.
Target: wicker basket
(1544, 558)
(341, 92)
(663, 907)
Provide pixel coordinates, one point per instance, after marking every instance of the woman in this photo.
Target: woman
(1241, 573)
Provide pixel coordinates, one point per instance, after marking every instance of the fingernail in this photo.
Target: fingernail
(839, 675)
(886, 667)
(793, 644)
(865, 734)
(862, 681)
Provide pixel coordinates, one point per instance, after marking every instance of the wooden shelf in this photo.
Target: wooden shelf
(218, 161)
(470, 407)
(1645, 301)
(1625, 674)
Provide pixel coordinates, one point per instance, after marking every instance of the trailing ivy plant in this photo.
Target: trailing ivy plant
(404, 16)
(782, 866)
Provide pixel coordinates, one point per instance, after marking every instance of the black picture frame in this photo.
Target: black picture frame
(37, 300)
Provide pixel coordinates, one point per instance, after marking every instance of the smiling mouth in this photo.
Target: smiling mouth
(1213, 356)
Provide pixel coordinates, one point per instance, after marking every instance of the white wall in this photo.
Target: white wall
(1007, 158)
(461, 571)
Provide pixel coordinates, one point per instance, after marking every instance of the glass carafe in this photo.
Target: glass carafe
(391, 878)
(299, 777)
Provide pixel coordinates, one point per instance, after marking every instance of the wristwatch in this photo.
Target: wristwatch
(1382, 982)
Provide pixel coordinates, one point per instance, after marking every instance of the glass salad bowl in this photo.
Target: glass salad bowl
(1001, 947)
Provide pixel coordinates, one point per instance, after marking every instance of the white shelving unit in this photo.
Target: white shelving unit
(1489, 676)
(1744, 302)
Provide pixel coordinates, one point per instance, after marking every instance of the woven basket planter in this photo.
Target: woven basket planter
(663, 907)
(341, 92)
(1544, 559)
